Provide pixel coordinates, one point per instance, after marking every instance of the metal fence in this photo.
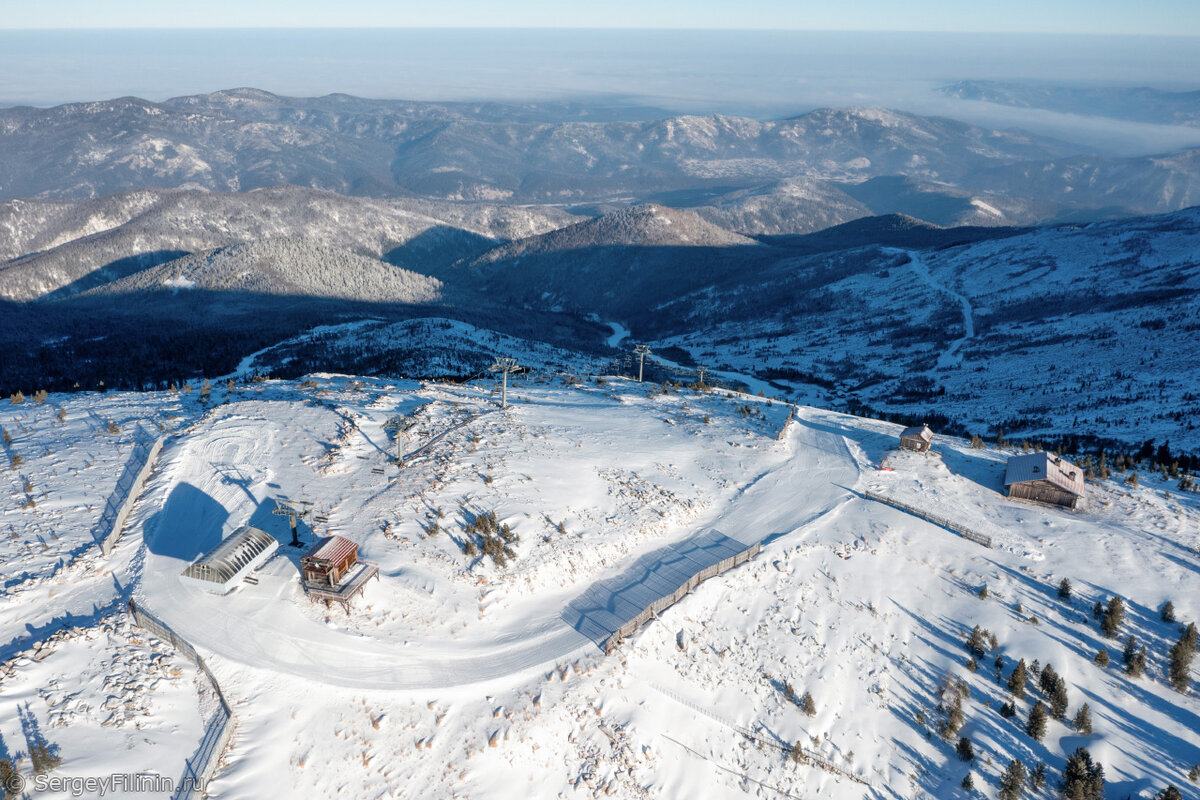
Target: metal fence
(107, 529)
(961, 530)
(198, 769)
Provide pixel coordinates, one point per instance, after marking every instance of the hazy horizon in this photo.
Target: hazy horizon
(760, 74)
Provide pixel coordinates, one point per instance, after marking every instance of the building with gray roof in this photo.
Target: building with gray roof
(1044, 478)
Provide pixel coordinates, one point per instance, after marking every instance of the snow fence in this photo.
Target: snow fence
(608, 611)
(200, 767)
(961, 530)
(137, 469)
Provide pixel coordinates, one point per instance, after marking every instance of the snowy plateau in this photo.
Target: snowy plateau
(456, 675)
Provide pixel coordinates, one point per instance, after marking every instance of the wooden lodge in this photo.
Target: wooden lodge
(331, 571)
(1044, 478)
(917, 437)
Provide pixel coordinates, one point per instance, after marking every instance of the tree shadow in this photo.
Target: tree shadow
(41, 751)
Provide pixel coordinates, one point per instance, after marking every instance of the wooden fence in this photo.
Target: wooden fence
(108, 528)
(961, 530)
(198, 769)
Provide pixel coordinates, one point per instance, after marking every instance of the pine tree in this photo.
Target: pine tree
(1168, 612)
(1130, 650)
(1132, 480)
(999, 665)
(1059, 702)
(1037, 778)
(1036, 726)
(10, 780)
(1012, 780)
(976, 441)
(1064, 589)
(954, 719)
(1169, 793)
(1180, 660)
(807, 705)
(978, 641)
(1102, 657)
(1083, 779)
(1008, 710)
(965, 750)
(1194, 773)
(1114, 615)
(1016, 681)
(1137, 665)
(968, 783)
(1046, 679)
(1098, 610)
(1083, 719)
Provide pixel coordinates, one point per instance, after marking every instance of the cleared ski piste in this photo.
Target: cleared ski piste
(227, 472)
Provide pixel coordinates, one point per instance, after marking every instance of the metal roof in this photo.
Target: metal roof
(920, 431)
(1043, 466)
(331, 549)
(607, 605)
(232, 555)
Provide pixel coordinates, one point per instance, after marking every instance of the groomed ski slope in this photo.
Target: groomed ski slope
(228, 470)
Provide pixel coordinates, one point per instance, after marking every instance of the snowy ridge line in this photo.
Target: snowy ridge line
(961, 530)
(199, 769)
(724, 768)
(111, 524)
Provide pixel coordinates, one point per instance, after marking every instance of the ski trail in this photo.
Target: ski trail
(951, 357)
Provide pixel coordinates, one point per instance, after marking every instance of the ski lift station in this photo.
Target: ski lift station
(331, 571)
(221, 569)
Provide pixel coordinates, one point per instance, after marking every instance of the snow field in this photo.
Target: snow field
(454, 677)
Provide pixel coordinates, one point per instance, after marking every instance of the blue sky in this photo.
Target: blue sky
(1153, 17)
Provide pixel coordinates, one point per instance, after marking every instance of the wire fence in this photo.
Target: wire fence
(958, 528)
(198, 769)
(107, 530)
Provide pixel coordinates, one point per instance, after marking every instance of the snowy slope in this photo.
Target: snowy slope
(455, 676)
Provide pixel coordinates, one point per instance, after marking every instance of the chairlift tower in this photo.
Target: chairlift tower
(504, 366)
(641, 351)
(395, 424)
(286, 508)
(701, 370)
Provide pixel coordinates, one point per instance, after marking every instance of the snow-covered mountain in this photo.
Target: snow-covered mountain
(290, 267)
(246, 139)
(862, 652)
(65, 247)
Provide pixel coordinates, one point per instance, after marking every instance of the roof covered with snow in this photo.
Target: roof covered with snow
(231, 556)
(919, 431)
(1043, 466)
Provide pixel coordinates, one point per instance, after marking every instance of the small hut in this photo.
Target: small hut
(332, 571)
(918, 438)
(223, 568)
(1044, 478)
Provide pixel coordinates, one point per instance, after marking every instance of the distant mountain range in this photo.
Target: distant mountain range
(785, 176)
(861, 258)
(1140, 103)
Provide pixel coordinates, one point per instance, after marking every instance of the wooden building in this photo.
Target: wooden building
(332, 571)
(917, 437)
(1044, 478)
